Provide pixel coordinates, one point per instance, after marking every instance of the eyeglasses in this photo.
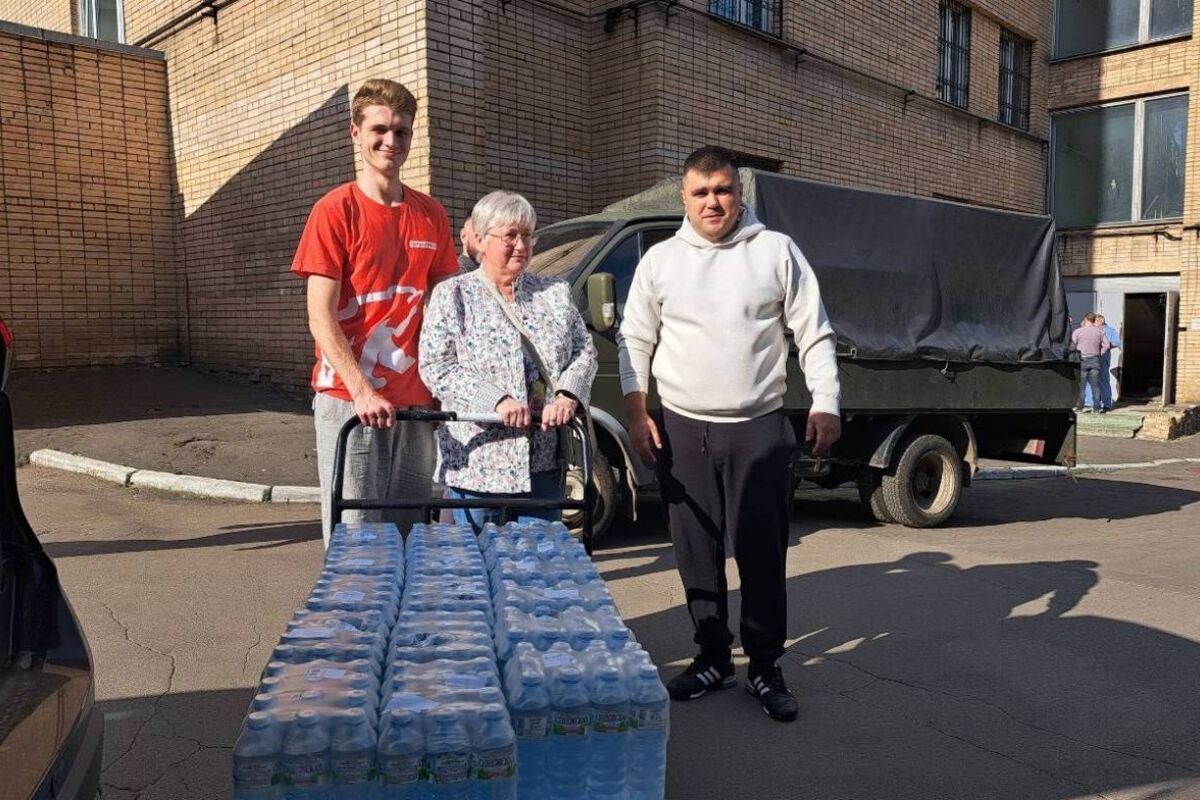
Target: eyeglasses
(510, 239)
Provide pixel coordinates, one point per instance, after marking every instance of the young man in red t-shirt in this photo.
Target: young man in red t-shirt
(371, 252)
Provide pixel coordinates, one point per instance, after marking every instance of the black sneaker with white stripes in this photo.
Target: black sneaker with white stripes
(701, 677)
(768, 686)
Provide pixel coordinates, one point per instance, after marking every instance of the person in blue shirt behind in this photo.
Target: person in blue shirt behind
(1114, 340)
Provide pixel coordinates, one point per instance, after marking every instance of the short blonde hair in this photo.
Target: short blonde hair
(382, 92)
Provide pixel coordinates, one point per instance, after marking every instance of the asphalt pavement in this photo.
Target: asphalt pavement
(1044, 647)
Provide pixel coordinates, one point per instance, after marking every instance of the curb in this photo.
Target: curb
(219, 489)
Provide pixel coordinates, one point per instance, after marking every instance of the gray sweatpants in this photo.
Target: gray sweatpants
(380, 463)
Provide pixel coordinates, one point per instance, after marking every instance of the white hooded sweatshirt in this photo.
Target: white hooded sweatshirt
(712, 315)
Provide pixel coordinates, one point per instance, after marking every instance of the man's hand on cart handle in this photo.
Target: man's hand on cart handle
(373, 411)
(514, 413)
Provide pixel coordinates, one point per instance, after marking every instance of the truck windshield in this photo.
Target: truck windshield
(562, 248)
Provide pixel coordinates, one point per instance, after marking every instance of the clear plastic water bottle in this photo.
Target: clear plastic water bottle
(570, 728)
(400, 756)
(495, 769)
(610, 722)
(530, 710)
(647, 745)
(254, 758)
(304, 764)
(352, 756)
(448, 756)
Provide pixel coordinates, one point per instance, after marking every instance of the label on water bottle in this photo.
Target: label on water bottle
(400, 770)
(530, 727)
(351, 768)
(348, 596)
(545, 547)
(359, 562)
(529, 562)
(364, 536)
(493, 765)
(448, 767)
(649, 719)
(310, 633)
(254, 774)
(410, 702)
(459, 680)
(610, 722)
(324, 674)
(571, 723)
(561, 594)
(557, 659)
(303, 770)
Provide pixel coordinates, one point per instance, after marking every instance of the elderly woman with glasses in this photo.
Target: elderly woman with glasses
(473, 360)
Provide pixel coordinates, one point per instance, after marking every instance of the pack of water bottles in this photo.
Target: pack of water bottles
(442, 665)
(312, 730)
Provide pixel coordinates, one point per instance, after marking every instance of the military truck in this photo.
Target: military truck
(952, 337)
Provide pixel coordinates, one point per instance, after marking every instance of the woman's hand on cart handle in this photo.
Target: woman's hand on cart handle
(560, 411)
(373, 411)
(514, 413)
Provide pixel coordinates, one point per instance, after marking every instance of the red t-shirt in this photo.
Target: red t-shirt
(385, 258)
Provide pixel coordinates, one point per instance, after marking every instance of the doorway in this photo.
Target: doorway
(1144, 339)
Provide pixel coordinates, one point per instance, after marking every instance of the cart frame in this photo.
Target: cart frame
(577, 428)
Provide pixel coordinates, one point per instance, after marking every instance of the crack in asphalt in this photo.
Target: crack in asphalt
(250, 649)
(154, 710)
(848, 694)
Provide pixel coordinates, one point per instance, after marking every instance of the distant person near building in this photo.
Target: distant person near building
(372, 250)
(468, 260)
(1089, 340)
(1106, 371)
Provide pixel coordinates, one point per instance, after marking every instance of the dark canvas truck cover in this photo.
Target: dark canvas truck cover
(911, 278)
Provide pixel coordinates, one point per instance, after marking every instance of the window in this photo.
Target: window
(1092, 26)
(102, 19)
(1119, 163)
(954, 53)
(1015, 66)
(760, 14)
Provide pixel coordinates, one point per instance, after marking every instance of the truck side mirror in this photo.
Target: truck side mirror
(602, 309)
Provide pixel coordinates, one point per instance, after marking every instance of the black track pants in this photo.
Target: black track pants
(730, 478)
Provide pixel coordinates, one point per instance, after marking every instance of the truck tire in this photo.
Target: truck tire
(870, 492)
(605, 507)
(925, 487)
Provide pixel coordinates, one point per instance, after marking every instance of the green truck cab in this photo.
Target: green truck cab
(953, 339)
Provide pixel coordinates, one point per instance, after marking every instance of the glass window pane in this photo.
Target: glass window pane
(109, 11)
(1170, 18)
(1164, 147)
(1093, 166)
(1089, 26)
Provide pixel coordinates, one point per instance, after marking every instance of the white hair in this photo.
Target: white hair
(501, 208)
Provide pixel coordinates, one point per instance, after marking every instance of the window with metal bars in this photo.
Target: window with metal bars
(954, 53)
(1016, 62)
(764, 15)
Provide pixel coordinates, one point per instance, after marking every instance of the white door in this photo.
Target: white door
(1112, 306)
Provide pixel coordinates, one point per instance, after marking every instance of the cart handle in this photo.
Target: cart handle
(578, 429)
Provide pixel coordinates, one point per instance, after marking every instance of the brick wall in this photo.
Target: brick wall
(86, 224)
(1146, 248)
(52, 15)
(260, 117)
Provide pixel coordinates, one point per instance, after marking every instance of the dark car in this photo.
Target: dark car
(51, 734)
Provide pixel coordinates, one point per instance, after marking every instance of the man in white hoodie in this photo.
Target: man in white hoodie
(709, 307)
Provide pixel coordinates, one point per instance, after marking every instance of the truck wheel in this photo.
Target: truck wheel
(927, 483)
(605, 507)
(870, 492)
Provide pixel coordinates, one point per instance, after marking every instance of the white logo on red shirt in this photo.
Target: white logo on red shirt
(421, 244)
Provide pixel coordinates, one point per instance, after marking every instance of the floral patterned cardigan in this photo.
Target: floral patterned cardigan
(471, 357)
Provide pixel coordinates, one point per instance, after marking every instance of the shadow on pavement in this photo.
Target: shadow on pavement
(919, 678)
(249, 537)
(1008, 501)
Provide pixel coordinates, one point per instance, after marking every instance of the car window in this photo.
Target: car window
(621, 263)
(652, 236)
(562, 248)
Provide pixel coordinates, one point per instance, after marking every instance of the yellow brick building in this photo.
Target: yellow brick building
(578, 102)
